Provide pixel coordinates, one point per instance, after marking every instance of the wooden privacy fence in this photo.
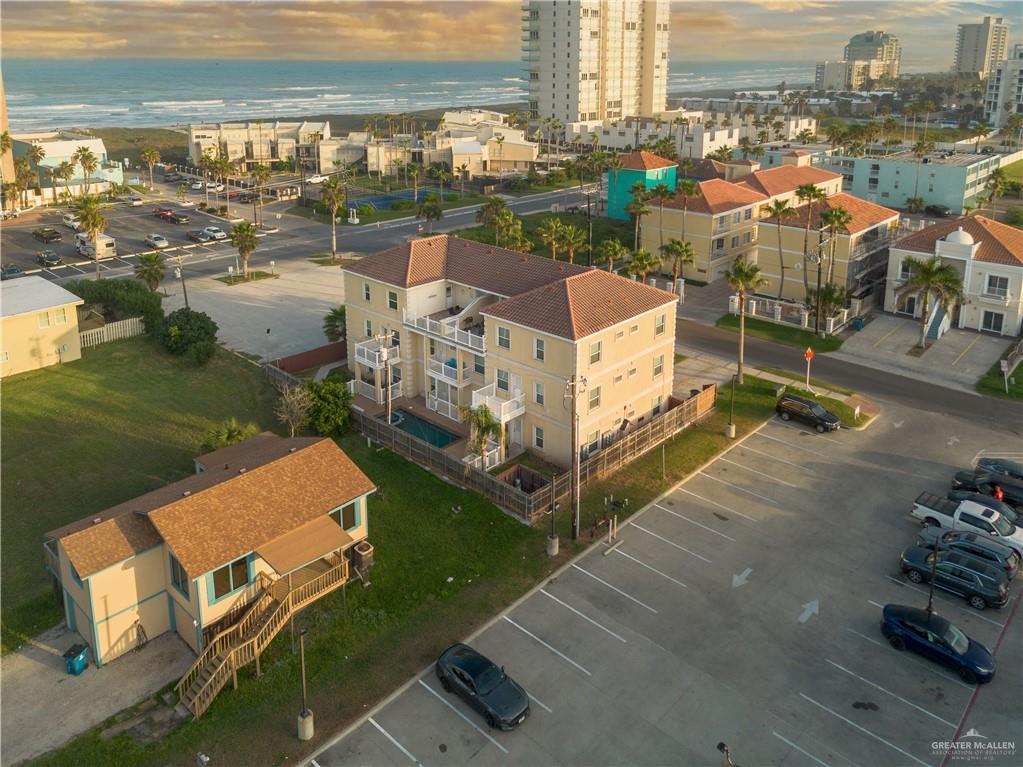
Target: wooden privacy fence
(113, 331)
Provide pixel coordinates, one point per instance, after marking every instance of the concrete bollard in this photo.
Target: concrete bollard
(552, 545)
(804, 318)
(305, 725)
(777, 313)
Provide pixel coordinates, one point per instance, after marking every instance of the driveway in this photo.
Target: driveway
(741, 607)
(44, 707)
(956, 360)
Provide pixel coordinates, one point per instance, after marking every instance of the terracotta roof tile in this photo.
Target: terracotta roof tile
(581, 305)
(999, 243)
(643, 160)
(718, 196)
(785, 178)
(864, 214)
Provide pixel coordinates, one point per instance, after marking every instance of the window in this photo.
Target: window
(618, 379)
(719, 243)
(538, 393)
(594, 398)
(365, 291)
(632, 372)
(60, 315)
(735, 241)
(595, 352)
(369, 328)
(479, 364)
(992, 321)
(747, 236)
(592, 442)
(230, 578)
(43, 318)
(658, 365)
(748, 214)
(538, 437)
(997, 286)
(347, 516)
(658, 401)
(502, 380)
(178, 577)
(504, 338)
(659, 324)
(736, 217)
(392, 300)
(538, 349)
(904, 271)
(633, 329)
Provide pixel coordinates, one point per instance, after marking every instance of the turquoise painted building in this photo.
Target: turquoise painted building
(637, 166)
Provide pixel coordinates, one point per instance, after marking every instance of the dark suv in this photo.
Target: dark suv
(983, 482)
(809, 412)
(977, 582)
(978, 546)
(942, 211)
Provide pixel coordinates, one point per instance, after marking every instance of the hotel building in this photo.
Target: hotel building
(979, 47)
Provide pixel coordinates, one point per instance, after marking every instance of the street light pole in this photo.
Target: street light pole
(574, 385)
(305, 717)
(730, 432)
(181, 276)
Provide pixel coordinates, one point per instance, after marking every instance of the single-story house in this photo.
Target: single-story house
(38, 325)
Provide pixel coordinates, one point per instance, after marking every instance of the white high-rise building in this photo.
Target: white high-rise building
(595, 59)
(979, 47)
(1004, 94)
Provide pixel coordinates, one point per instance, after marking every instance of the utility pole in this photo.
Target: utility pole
(573, 387)
(589, 218)
(819, 261)
(181, 276)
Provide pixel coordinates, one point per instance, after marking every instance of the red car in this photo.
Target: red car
(164, 213)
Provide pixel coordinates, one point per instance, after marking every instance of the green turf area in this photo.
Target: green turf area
(993, 382)
(781, 334)
(254, 276)
(84, 436)
(388, 215)
(1014, 171)
(129, 142)
(603, 228)
(816, 382)
(845, 413)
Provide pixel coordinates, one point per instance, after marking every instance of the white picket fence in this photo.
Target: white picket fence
(113, 331)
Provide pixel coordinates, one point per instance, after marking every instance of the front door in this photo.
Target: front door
(906, 305)
(515, 433)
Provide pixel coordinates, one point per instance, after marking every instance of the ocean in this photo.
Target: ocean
(48, 94)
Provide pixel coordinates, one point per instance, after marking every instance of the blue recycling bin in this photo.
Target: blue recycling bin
(76, 659)
(857, 323)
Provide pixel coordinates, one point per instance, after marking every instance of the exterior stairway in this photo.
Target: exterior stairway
(245, 640)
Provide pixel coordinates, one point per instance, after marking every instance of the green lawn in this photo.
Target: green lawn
(129, 142)
(801, 377)
(82, 437)
(845, 413)
(1014, 171)
(603, 228)
(387, 215)
(539, 188)
(781, 334)
(993, 382)
(254, 276)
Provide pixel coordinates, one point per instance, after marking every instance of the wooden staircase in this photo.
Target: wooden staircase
(244, 641)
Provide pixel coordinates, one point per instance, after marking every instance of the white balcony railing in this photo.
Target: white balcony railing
(446, 330)
(491, 457)
(363, 389)
(375, 353)
(995, 297)
(503, 409)
(445, 408)
(446, 372)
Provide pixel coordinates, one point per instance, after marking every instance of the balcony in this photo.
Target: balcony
(375, 353)
(447, 372)
(503, 409)
(995, 296)
(445, 408)
(445, 330)
(865, 248)
(360, 388)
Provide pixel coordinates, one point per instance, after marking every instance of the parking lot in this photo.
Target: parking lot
(742, 607)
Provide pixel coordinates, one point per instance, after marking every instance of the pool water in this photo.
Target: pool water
(420, 429)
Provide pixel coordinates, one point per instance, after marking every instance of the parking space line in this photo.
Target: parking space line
(715, 503)
(876, 604)
(776, 458)
(789, 425)
(648, 567)
(797, 447)
(754, 471)
(463, 716)
(740, 489)
(694, 522)
(949, 600)
(396, 744)
(615, 588)
(553, 649)
(922, 663)
(670, 543)
(889, 692)
(538, 702)
(789, 743)
(968, 347)
(864, 730)
(584, 617)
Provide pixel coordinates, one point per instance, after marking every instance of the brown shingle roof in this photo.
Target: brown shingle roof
(864, 214)
(487, 267)
(705, 168)
(785, 178)
(643, 160)
(999, 243)
(580, 305)
(718, 196)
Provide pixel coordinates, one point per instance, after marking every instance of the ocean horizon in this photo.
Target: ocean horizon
(135, 93)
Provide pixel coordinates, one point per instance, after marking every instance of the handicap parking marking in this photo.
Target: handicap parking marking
(648, 567)
(715, 503)
(393, 740)
(694, 522)
(807, 754)
(584, 617)
(670, 543)
(920, 661)
(755, 471)
(953, 602)
(615, 588)
(461, 715)
(740, 489)
(889, 692)
(550, 647)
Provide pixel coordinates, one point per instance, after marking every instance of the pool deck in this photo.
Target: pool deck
(417, 406)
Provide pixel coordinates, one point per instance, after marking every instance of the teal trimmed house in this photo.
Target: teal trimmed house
(637, 166)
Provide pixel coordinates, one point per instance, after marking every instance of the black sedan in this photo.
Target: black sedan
(178, 218)
(198, 235)
(10, 271)
(1002, 466)
(483, 685)
(989, 484)
(47, 234)
(973, 544)
(48, 258)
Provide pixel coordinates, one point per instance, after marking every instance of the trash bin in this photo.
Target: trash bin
(76, 659)
(857, 323)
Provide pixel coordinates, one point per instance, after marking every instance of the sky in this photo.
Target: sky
(714, 30)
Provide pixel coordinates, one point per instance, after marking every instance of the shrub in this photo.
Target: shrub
(555, 177)
(431, 197)
(403, 205)
(366, 210)
(223, 210)
(201, 206)
(330, 407)
(190, 333)
(228, 433)
(450, 197)
(1015, 218)
(517, 184)
(123, 299)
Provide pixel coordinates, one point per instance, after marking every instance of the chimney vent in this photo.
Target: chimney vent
(292, 450)
(186, 493)
(226, 466)
(241, 470)
(97, 520)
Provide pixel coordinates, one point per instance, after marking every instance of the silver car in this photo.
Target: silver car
(157, 241)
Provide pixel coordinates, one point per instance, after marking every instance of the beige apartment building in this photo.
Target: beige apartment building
(848, 75)
(38, 325)
(258, 143)
(595, 59)
(979, 47)
(440, 324)
(879, 46)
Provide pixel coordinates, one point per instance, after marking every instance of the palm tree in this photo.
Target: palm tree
(487, 212)
(22, 178)
(721, 154)
(150, 156)
(92, 223)
(335, 324)
(413, 173)
(779, 210)
(62, 172)
(332, 196)
(745, 279)
(484, 427)
(679, 253)
(637, 208)
(430, 211)
(686, 190)
(550, 233)
(611, 250)
(921, 149)
(463, 172)
(243, 237)
(572, 239)
(614, 165)
(662, 192)
(809, 194)
(832, 298)
(442, 176)
(834, 219)
(931, 278)
(996, 184)
(260, 175)
(642, 263)
(150, 269)
(206, 163)
(228, 433)
(35, 155)
(84, 157)
(504, 222)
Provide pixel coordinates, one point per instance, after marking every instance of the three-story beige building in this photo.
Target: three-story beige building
(442, 324)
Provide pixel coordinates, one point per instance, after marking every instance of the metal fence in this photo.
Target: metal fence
(113, 331)
(281, 378)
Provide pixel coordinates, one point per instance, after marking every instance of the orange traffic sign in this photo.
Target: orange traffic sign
(809, 354)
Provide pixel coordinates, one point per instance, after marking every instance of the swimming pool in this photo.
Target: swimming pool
(420, 429)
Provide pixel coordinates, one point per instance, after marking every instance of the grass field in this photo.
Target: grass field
(781, 334)
(993, 382)
(388, 215)
(129, 142)
(800, 378)
(254, 276)
(846, 414)
(603, 228)
(82, 437)
(1014, 172)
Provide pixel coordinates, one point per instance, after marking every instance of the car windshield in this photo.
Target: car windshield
(1003, 526)
(957, 640)
(488, 680)
(818, 411)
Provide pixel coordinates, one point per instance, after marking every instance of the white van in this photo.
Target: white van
(107, 246)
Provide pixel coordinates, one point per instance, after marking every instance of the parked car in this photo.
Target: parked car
(172, 176)
(978, 546)
(215, 233)
(930, 635)
(1001, 507)
(48, 258)
(178, 218)
(969, 516)
(10, 271)
(246, 197)
(47, 234)
(483, 685)
(984, 483)
(135, 200)
(163, 212)
(197, 186)
(1003, 466)
(214, 186)
(198, 235)
(157, 241)
(70, 220)
(809, 412)
(980, 584)
(942, 211)
(317, 179)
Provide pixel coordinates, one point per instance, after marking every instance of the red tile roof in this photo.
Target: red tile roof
(718, 196)
(785, 178)
(643, 160)
(865, 215)
(999, 243)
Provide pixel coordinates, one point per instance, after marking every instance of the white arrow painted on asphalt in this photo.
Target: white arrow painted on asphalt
(810, 608)
(898, 424)
(741, 578)
(952, 441)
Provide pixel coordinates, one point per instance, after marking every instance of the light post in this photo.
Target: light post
(727, 753)
(589, 221)
(730, 430)
(305, 716)
(179, 272)
(818, 258)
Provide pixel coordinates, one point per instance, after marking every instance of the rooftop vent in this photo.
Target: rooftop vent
(241, 470)
(97, 520)
(186, 493)
(292, 450)
(227, 466)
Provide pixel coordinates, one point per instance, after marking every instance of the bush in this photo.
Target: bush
(330, 408)
(201, 206)
(228, 433)
(517, 184)
(1015, 218)
(555, 177)
(223, 210)
(366, 210)
(123, 299)
(450, 197)
(190, 333)
(431, 197)
(403, 205)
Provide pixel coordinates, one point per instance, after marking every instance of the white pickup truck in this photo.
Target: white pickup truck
(967, 515)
